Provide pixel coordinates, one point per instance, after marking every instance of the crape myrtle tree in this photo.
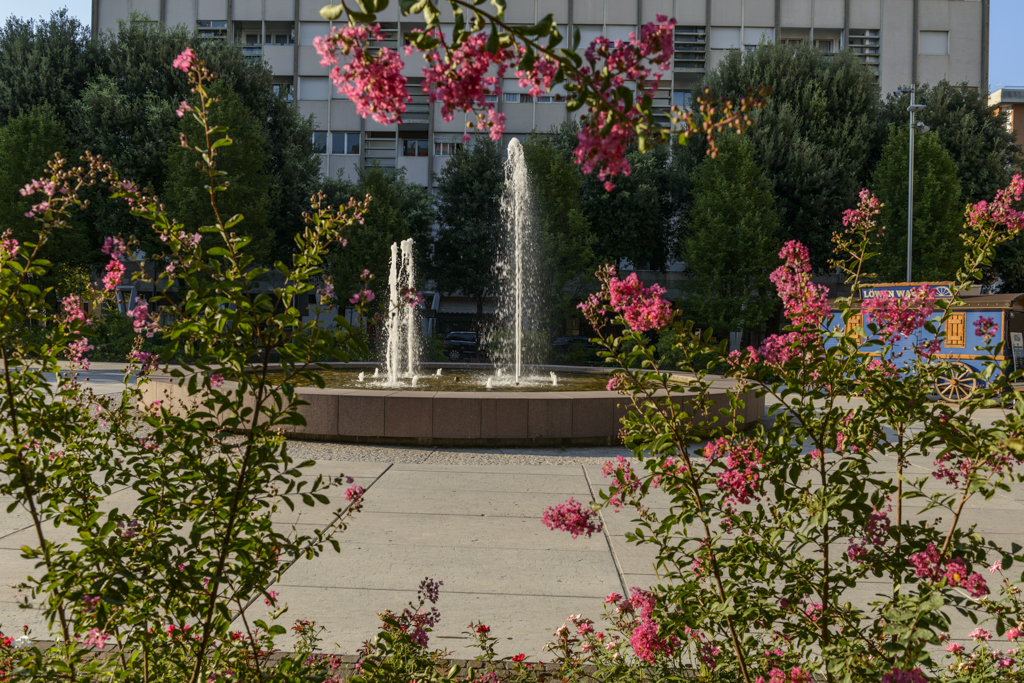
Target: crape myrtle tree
(469, 221)
(938, 209)
(731, 242)
(814, 137)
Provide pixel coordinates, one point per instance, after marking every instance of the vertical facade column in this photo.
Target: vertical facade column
(778, 21)
(163, 13)
(568, 38)
(231, 21)
(986, 17)
(913, 42)
(95, 28)
(846, 25)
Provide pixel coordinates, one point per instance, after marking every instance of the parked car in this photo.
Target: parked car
(567, 343)
(459, 345)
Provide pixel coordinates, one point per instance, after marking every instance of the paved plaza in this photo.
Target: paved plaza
(470, 518)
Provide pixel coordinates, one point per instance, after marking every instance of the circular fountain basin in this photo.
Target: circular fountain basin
(460, 379)
(579, 412)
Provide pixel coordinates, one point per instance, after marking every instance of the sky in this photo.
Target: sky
(1006, 52)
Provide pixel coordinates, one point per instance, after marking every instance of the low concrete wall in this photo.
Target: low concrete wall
(443, 418)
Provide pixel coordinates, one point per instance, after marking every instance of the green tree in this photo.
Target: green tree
(976, 137)
(469, 191)
(815, 137)
(43, 62)
(27, 143)
(399, 210)
(638, 220)
(566, 242)
(732, 242)
(245, 161)
(938, 211)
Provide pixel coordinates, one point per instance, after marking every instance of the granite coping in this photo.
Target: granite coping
(454, 418)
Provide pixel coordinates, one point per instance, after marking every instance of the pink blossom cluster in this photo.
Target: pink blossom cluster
(930, 566)
(184, 60)
(641, 307)
(986, 328)
(217, 380)
(182, 108)
(804, 303)
(864, 214)
(116, 249)
(461, 82)
(47, 187)
(904, 676)
(777, 675)
(8, 245)
(95, 638)
(355, 493)
(644, 639)
(1000, 210)
(363, 297)
(898, 318)
(374, 82)
(956, 467)
(603, 138)
(141, 320)
(616, 383)
(147, 361)
(325, 293)
(572, 517)
(411, 297)
(77, 350)
(624, 480)
(72, 307)
(742, 462)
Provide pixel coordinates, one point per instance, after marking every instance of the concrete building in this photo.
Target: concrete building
(1011, 100)
(904, 41)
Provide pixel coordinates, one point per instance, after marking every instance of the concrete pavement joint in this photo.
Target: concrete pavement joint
(607, 538)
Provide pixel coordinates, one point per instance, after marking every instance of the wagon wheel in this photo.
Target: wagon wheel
(956, 383)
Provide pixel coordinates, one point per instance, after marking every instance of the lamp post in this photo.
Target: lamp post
(913, 109)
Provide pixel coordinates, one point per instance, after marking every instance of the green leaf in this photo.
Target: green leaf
(331, 12)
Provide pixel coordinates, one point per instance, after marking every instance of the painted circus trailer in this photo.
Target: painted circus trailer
(959, 345)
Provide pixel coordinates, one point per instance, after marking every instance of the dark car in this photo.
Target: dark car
(459, 345)
(566, 343)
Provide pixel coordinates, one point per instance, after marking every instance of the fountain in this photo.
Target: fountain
(362, 376)
(516, 264)
(402, 349)
(554, 380)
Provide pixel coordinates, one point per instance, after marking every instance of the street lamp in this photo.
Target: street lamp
(919, 126)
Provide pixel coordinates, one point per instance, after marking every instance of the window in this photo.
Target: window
(551, 97)
(752, 37)
(217, 30)
(933, 43)
(956, 330)
(320, 142)
(414, 148)
(865, 43)
(725, 38)
(277, 38)
(491, 98)
(446, 149)
(588, 34)
(345, 143)
(313, 88)
(689, 48)
(682, 98)
(824, 45)
(253, 39)
(518, 98)
(614, 33)
(284, 90)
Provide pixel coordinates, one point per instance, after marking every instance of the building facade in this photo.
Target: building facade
(1010, 99)
(903, 41)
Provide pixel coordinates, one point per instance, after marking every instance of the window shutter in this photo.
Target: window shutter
(855, 327)
(956, 330)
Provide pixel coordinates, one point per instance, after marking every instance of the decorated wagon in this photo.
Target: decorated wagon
(960, 342)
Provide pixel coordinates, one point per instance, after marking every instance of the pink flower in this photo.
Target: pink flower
(1013, 633)
(570, 516)
(271, 598)
(77, 350)
(184, 107)
(646, 644)
(900, 318)
(624, 480)
(140, 319)
(8, 245)
(355, 493)
(184, 60)
(72, 307)
(147, 361)
(326, 292)
(96, 638)
(115, 271)
(742, 462)
(642, 307)
(986, 328)
(955, 648)
(866, 210)
(901, 676)
(216, 381)
(612, 598)
(363, 297)
(373, 82)
(90, 602)
(1000, 211)
(814, 611)
(980, 635)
